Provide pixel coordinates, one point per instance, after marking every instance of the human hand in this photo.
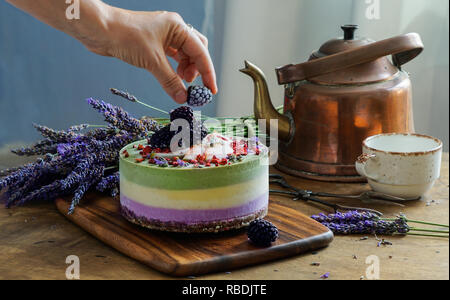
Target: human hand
(147, 39)
(143, 39)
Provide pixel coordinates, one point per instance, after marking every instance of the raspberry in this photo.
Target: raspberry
(262, 233)
(198, 96)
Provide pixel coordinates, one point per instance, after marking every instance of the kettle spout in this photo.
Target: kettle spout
(263, 106)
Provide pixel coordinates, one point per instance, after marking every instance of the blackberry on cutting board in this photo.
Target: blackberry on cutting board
(198, 96)
(161, 139)
(262, 233)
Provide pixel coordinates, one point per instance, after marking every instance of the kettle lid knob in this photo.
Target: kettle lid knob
(349, 31)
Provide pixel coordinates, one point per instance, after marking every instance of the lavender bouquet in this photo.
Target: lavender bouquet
(71, 161)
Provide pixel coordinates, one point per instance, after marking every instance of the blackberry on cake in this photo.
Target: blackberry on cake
(262, 233)
(183, 112)
(199, 96)
(197, 130)
(162, 138)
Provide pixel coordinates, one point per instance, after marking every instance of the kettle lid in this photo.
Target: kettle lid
(378, 70)
(351, 60)
(347, 42)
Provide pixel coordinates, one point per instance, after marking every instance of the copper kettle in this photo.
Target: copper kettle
(347, 91)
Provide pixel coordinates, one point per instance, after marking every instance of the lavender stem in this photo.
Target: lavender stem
(152, 107)
(429, 235)
(111, 168)
(420, 222)
(428, 230)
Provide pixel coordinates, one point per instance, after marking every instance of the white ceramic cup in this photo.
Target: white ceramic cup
(402, 165)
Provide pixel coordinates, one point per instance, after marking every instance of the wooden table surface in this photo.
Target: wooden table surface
(35, 241)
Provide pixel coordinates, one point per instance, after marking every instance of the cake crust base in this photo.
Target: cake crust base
(206, 227)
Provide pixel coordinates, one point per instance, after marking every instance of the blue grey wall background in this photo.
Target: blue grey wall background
(45, 75)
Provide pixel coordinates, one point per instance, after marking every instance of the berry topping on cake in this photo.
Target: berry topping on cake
(199, 96)
(215, 150)
(262, 233)
(183, 112)
(198, 131)
(162, 138)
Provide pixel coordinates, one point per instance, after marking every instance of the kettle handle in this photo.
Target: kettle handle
(403, 48)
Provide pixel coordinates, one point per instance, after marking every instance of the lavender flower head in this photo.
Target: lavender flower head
(181, 163)
(119, 118)
(124, 95)
(354, 222)
(161, 162)
(110, 183)
(78, 127)
(347, 217)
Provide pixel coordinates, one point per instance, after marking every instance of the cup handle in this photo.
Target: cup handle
(361, 164)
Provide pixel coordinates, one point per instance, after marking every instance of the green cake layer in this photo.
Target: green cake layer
(146, 174)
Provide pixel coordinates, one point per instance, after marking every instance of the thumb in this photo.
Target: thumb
(169, 80)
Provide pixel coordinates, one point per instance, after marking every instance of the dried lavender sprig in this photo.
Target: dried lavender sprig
(21, 174)
(120, 119)
(78, 127)
(32, 151)
(114, 192)
(43, 172)
(420, 222)
(9, 171)
(429, 230)
(345, 224)
(64, 138)
(367, 227)
(24, 180)
(79, 192)
(54, 135)
(115, 143)
(347, 217)
(109, 183)
(47, 192)
(124, 95)
(133, 98)
(58, 166)
(94, 176)
(101, 134)
(428, 235)
(39, 148)
(71, 149)
(65, 186)
(79, 173)
(16, 178)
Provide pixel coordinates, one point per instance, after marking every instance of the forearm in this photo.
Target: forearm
(142, 39)
(90, 28)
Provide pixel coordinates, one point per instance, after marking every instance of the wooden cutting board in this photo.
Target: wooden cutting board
(183, 254)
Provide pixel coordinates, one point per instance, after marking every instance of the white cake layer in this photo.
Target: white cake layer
(212, 198)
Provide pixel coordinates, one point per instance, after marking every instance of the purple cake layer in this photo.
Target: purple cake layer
(202, 227)
(192, 217)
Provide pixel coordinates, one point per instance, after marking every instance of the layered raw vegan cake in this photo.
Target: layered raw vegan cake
(219, 185)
